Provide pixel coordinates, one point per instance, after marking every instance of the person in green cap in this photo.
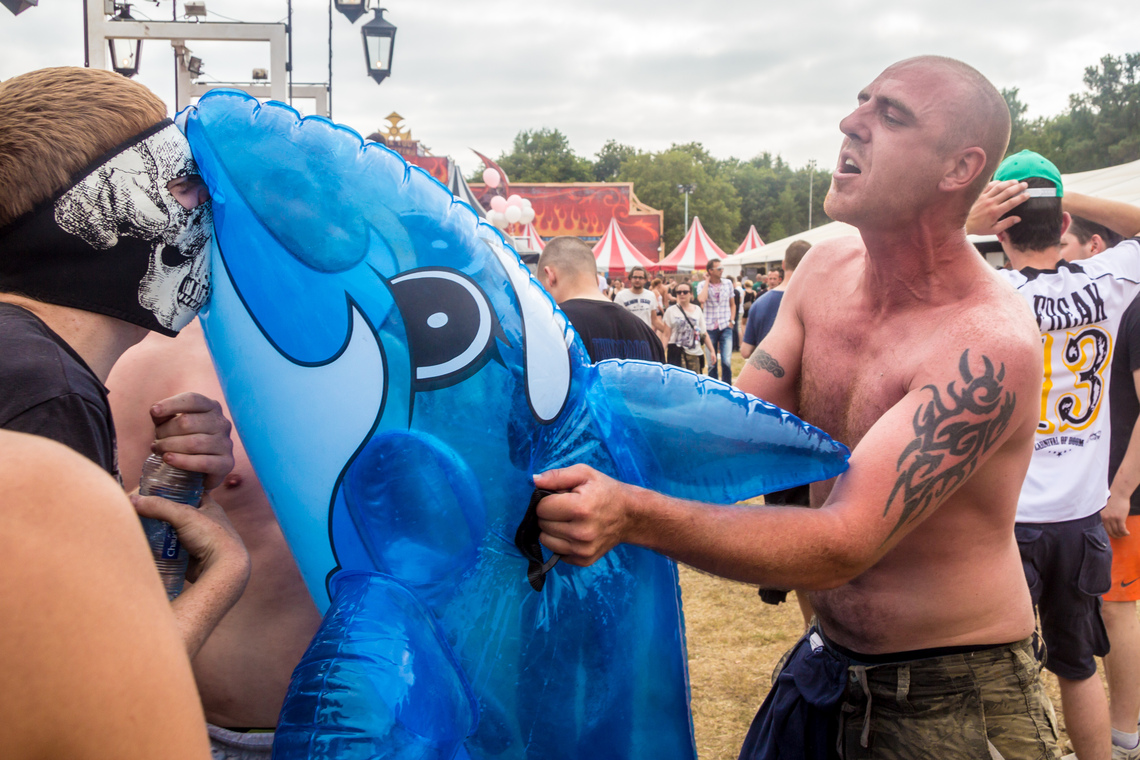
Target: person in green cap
(1060, 533)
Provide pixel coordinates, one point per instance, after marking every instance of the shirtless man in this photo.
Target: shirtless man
(243, 670)
(908, 348)
(92, 655)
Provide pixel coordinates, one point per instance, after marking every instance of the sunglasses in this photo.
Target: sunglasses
(684, 292)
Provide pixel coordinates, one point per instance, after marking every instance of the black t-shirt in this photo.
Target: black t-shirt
(46, 389)
(609, 331)
(1124, 405)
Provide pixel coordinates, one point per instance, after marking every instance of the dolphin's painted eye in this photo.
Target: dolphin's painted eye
(449, 322)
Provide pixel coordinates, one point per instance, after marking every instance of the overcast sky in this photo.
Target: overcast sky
(741, 76)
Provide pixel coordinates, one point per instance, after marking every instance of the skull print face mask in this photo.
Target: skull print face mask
(118, 241)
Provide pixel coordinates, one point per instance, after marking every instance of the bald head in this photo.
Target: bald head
(976, 115)
(567, 269)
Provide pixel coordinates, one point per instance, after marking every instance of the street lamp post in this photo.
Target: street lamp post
(811, 187)
(686, 189)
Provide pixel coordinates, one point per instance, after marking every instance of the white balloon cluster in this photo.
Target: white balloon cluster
(507, 211)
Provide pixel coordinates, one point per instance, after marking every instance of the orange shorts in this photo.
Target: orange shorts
(1126, 564)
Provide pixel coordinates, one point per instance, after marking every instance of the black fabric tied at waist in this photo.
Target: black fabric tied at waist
(526, 540)
(800, 716)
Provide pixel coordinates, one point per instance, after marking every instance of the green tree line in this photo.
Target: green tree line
(1101, 127)
(728, 194)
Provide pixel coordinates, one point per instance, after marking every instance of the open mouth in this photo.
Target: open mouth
(849, 167)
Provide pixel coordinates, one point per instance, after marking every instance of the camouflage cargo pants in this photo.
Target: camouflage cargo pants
(981, 705)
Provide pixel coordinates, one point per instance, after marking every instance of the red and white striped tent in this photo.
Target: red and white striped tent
(692, 253)
(528, 235)
(751, 240)
(616, 255)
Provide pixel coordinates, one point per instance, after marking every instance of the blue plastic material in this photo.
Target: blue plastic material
(397, 377)
(378, 653)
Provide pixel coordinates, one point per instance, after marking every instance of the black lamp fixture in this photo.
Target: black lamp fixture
(379, 41)
(18, 6)
(125, 53)
(353, 9)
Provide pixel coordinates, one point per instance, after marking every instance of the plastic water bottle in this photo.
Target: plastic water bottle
(160, 479)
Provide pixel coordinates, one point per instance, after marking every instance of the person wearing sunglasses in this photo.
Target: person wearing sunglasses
(685, 332)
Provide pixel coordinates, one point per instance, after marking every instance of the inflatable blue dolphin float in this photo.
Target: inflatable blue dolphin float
(397, 377)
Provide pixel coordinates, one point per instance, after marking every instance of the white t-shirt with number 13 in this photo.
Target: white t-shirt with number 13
(1078, 308)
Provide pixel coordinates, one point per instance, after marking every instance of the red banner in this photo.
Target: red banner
(584, 210)
(433, 165)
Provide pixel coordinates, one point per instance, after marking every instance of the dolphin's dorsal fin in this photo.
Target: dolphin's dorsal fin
(697, 438)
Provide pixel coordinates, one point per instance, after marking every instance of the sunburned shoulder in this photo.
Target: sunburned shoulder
(829, 253)
(995, 336)
(994, 308)
(830, 263)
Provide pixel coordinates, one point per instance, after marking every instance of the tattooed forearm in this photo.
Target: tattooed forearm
(763, 360)
(952, 432)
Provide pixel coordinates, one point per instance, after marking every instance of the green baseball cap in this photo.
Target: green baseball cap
(1021, 166)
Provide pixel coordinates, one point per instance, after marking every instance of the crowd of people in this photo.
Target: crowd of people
(986, 527)
(676, 308)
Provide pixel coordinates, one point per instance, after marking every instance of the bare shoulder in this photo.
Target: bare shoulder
(87, 623)
(826, 267)
(1000, 318)
(37, 475)
(159, 360)
(992, 333)
(822, 258)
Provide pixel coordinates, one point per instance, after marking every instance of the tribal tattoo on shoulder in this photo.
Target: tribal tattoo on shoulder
(763, 360)
(952, 432)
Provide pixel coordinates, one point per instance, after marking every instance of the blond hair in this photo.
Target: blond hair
(54, 122)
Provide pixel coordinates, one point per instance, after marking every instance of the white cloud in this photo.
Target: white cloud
(740, 76)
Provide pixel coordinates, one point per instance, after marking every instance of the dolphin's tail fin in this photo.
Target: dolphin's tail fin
(697, 438)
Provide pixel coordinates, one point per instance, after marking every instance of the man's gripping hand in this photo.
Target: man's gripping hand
(219, 563)
(586, 517)
(192, 433)
(997, 199)
(206, 533)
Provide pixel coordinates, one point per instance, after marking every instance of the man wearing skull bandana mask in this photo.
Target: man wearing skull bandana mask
(103, 233)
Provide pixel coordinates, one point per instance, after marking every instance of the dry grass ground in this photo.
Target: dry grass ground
(734, 642)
